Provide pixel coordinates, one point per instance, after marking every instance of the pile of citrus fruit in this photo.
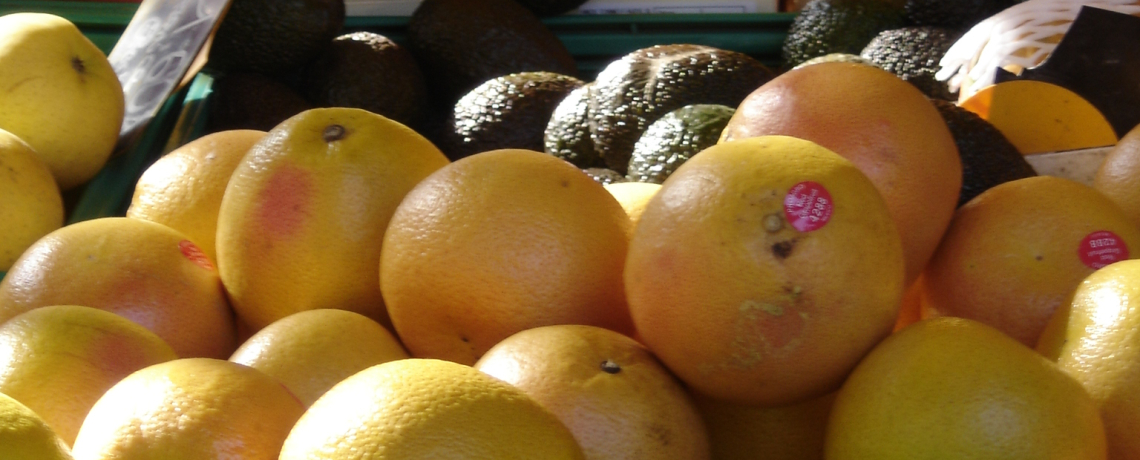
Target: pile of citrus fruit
(807, 287)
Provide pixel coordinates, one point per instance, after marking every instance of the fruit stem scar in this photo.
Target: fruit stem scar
(610, 367)
(773, 223)
(334, 133)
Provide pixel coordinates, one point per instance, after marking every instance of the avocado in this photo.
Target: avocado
(368, 71)
(511, 111)
(249, 100)
(988, 158)
(461, 44)
(674, 138)
(605, 175)
(838, 26)
(544, 8)
(957, 14)
(567, 135)
(913, 53)
(270, 36)
(635, 90)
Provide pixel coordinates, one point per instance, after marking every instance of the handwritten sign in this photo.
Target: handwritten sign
(157, 49)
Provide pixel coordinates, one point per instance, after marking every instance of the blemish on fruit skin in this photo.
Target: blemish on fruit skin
(285, 201)
(610, 367)
(783, 249)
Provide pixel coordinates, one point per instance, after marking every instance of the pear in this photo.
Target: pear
(59, 93)
(303, 216)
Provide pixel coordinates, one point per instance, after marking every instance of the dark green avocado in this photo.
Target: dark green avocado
(605, 176)
(368, 71)
(248, 100)
(634, 91)
(271, 36)
(567, 134)
(988, 158)
(914, 53)
(511, 111)
(674, 138)
(838, 26)
(462, 43)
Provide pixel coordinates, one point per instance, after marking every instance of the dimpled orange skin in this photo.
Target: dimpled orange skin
(190, 409)
(59, 360)
(612, 393)
(146, 272)
(1012, 255)
(884, 125)
(954, 388)
(1094, 338)
(500, 242)
(303, 217)
(428, 409)
(742, 306)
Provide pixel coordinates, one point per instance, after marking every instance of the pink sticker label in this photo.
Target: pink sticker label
(808, 206)
(1099, 249)
(194, 253)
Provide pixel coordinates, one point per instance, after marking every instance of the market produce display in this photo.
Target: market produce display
(455, 243)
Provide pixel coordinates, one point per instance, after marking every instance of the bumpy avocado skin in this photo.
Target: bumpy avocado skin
(567, 134)
(913, 53)
(271, 36)
(838, 26)
(638, 88)
(462, 43)
(511, 111)
(605, 176)
(988, 158)
(369, 71)
(674, 138)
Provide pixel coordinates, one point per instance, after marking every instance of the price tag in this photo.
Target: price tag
(1099, 249)
(164, 41)
(808, 206)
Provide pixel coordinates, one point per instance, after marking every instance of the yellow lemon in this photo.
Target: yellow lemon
(25, 436)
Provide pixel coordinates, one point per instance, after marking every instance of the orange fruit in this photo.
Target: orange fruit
(310, 351)
(303, 217)
(956, 388)
(910, 310)
(1040, 117)
(1094, 339)
(763, 270)
(1118, 176)
(792, 432)
(183, 189)
(612, 393)
(499, 242)
(146, 272)
(59, 360)
(33, 206)
(1017, 251)
(884, 125)
(633, 196)
(25, 436)
(426, 408)
(190, 409)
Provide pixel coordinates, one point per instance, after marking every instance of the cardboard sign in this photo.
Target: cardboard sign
(164, 45)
